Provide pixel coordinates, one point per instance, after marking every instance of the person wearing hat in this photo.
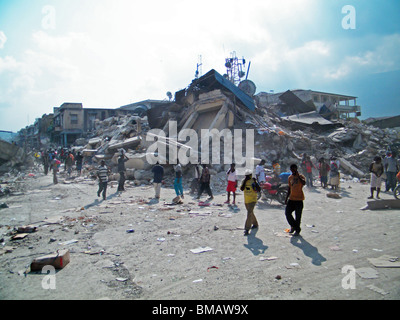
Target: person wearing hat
(250, 187)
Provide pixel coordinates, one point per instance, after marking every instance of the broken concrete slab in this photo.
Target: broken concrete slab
(367, 273)
(382, 204)
(58, 260)
(350, 169)
(125, 144)
(385, 261)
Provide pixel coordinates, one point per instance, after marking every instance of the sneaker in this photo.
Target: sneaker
(227, 202)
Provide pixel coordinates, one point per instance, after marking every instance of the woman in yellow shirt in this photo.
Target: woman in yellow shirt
(250, 187)
(295, 196)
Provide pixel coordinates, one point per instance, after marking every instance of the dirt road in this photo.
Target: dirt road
(128, 247)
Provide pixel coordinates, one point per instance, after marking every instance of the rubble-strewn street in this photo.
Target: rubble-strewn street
(131, 247)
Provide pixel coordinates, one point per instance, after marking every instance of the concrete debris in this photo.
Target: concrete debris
(286, 126)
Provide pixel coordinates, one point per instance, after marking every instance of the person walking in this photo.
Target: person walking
(79, 162)
(250, 187)
(55, 164)
(121, 170)
(294, 200)
(232, 183)
(45, 160)
(102, 174)
(205, 183)
(376, 169)
(158, 172)
(178, 180)
(69, 162)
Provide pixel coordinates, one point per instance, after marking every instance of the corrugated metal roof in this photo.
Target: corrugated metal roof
(214, 80)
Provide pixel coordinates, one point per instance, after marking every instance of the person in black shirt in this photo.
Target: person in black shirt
(158, 172)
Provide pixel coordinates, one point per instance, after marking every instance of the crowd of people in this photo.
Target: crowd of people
(386, 169)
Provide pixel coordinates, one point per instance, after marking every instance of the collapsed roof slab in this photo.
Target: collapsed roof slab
(213, 80)
(211, 111)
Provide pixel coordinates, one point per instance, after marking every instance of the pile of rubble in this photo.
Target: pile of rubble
(212, 102)
(207, 104)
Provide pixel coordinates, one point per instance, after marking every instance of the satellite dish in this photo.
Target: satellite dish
(248, 87)
(169, 95)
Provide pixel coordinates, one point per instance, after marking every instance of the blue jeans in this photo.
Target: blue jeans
(178, 186)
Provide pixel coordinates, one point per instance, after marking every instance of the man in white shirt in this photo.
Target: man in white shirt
(232, 183)
(260, 173)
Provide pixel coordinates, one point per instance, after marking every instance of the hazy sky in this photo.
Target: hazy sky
(109, 53)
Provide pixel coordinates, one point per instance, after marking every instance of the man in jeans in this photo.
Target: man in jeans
(391, 169)
(296, 197)
(102, 174)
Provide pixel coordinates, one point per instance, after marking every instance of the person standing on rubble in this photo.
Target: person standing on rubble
(121, 170)
(250, 187)
(158, 172)
(376, 169)
(205, 183)
(232, 183)
(391, 169)
(294, 200)
(178, 180)
(102, 174)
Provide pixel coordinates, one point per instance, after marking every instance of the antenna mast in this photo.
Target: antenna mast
(199, 68)
(234, 68)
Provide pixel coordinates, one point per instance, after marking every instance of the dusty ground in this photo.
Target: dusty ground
(155, 261)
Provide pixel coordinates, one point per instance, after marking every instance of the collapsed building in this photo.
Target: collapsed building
(285, 126)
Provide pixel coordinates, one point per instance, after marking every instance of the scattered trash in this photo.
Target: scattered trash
(26, 229)
(334, 195)
(268, 258)
(201, 249)
(19, 236)
(213, 267)
(130, 231)
(3, 205)
(198, 280)
(65, 243)
(378, 290)
(204, 204)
